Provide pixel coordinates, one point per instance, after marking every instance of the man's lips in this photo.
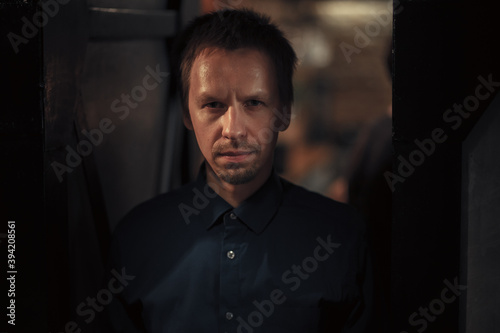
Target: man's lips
(235, 155)
(236, 152)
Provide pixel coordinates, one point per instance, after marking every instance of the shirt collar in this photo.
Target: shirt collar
(216, 206)
(256, 212)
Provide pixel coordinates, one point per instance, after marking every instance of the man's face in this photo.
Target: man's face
(233, 109)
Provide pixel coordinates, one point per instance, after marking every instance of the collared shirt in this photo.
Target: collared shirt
(285, 260)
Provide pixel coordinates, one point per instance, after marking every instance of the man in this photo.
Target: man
(240, 249)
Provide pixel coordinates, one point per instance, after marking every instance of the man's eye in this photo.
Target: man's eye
(254, 102)
(214, 105)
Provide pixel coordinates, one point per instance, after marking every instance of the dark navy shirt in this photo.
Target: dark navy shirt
(285, 260)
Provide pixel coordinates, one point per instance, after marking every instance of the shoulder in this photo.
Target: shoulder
(300, 201)
(154, 213)
(149, 228)
(299, 197)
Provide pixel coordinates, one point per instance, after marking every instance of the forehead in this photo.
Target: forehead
(217, 63)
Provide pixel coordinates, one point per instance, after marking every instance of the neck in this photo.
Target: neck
(235, 194)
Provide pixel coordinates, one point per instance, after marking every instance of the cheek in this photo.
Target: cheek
(205, 136)
(264, 135)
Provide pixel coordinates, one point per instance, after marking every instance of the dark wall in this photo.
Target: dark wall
(441, 50)
(65, 195)
(480, 227)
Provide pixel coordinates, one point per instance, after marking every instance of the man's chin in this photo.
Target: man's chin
(237, 176)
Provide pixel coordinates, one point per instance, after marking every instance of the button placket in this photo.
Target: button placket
(231, 254)
(229, 274)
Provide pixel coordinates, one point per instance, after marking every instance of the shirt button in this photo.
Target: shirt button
(230, 254)
(232, 216)
(229, 315)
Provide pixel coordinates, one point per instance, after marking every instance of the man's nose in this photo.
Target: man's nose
(233, 123)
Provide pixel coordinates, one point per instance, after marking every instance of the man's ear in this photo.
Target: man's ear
(187, 120)
(285, 116)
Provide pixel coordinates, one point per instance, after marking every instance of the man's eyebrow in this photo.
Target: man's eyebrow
(259, 95)
(204, 98)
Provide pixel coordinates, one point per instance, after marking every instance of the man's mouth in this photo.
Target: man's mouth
(236, 156)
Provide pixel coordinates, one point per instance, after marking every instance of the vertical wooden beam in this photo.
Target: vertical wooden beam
(64, 44)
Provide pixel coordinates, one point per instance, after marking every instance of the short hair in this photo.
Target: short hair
(231, 29)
